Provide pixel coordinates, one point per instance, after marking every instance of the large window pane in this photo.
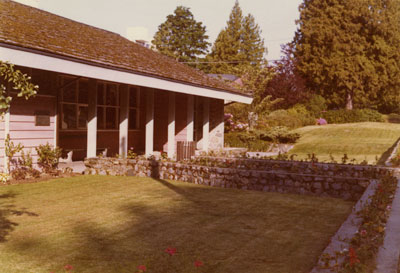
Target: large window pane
(82, 117)
(111, 95)
(83, 91)
(111, 118)
(69, 116)
(133, 97)
(133, 119)
(100, 118)
(100, 94)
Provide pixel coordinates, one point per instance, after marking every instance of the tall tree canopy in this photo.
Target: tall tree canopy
(347, 51)
(237, 46)
(181, 36)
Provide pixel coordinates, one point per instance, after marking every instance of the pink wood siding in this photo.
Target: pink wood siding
(22, 123)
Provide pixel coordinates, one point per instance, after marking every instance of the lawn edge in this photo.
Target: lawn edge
(341, 240)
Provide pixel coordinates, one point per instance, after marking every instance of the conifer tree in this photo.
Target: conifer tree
(181, 36)
(237, 46)
(346, 50)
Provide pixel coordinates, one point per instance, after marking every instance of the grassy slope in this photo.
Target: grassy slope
(361, 141)
(114, 224)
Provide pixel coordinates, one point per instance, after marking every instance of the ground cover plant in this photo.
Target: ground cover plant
(367, 141)
(127, 224)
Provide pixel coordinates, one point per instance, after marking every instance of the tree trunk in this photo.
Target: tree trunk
(349, 102)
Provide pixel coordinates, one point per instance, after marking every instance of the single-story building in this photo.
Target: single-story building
(98, 90)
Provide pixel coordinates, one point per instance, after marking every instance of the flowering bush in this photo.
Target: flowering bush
(234, 126)
(4, 177)
(369, 237)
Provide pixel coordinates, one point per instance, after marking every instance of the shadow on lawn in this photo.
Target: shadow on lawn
(7, 210)
(226, 231)
(387, 153)
(148, 232)
(186, 224)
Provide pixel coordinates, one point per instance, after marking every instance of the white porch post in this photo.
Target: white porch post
(92, 120)
(190, 118)
(206, 123)
(171, 125)
(149, 122)
(123, 120)
(6, 134)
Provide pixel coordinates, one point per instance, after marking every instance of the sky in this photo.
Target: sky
(139, 19)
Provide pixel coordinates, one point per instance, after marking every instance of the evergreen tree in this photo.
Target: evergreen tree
(345, 50)
(238, 45)
(181, 36)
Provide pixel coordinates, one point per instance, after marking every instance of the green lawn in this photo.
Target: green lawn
(113, 224)
(361, 141)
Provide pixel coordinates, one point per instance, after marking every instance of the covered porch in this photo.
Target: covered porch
(111, 119)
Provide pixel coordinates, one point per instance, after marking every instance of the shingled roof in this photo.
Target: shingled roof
(30, 28)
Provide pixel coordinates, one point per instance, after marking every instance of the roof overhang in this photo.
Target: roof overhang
(52, 62)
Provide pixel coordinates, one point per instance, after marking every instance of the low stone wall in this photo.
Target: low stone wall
(303, 167)
(348, 188)
(336, 181)
(116, 166)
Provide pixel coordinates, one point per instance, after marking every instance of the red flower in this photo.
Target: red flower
(68, 267)
(198, 263)
(171, 251)
(353, 257)
(142, 268)
(363, 232)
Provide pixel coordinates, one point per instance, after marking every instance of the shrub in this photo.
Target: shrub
(19, 173)
(233, 126)
(294, 117)
(11, 150)
(351, 116)
(25, 160)
(48, 157)
(247, 140)
(316, 105)
(393, 118)
(279, 134)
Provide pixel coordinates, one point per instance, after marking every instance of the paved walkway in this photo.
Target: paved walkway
(388, 254)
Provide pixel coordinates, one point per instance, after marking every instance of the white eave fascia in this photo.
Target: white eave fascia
(67, 66)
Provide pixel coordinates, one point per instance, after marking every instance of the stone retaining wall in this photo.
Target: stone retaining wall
(303, 167)
(347, 182)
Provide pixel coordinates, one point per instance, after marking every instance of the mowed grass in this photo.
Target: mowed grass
(113, 224)
(360, 141)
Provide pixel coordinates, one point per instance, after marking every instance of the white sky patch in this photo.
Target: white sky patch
(138, 33)
(32, 3)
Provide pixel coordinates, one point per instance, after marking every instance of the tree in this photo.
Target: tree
(18, 81)
(237, 46)
(254, 80)
(181, 36)
(346, 50)
(287, 82)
